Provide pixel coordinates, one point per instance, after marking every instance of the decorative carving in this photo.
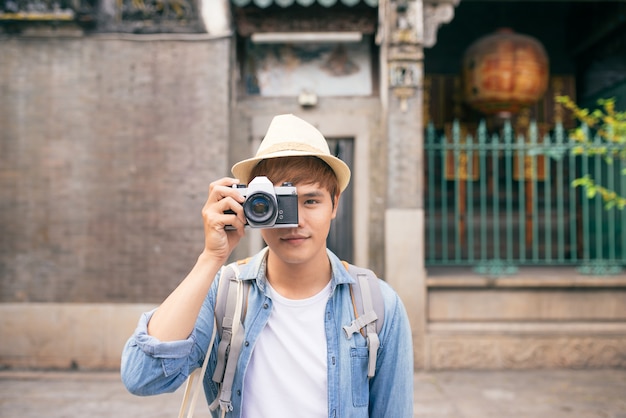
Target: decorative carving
(404, 74)
(405, 23)
(405, 54)
(152, 16)
(155, 9)
(436, 14)
(37, 11)
(403, 94)
(527, 352)
(308, 19)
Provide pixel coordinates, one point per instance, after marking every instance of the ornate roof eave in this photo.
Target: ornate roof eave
(312, 18)
(304, 3)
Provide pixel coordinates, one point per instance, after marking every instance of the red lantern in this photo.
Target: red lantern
(504, 72)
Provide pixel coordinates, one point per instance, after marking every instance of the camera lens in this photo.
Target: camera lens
(260, 209)
(259, 206)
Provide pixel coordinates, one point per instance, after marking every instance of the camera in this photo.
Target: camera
(267, 206)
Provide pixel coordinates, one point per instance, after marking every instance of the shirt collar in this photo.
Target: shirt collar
(254, 269)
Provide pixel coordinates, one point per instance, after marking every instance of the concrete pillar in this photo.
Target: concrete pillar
(404, 215)
(407, 30)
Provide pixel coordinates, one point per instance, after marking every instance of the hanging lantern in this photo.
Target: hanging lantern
(504, 72)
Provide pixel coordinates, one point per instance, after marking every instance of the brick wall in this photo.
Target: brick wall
(107, 147)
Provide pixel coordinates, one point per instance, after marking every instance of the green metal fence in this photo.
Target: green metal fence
(499, 201)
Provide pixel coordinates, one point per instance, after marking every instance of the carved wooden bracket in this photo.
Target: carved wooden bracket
(436, 13)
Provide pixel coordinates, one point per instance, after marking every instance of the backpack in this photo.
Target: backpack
(230, 311)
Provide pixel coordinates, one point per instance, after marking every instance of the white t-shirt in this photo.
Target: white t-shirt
(287, 375)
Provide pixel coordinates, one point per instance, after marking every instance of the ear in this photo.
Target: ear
(335, 205)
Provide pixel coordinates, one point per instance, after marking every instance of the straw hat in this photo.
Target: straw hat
(289, 136)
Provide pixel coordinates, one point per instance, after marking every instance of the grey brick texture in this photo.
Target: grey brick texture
(107, 148)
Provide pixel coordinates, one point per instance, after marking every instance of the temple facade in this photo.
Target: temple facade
(116, 116)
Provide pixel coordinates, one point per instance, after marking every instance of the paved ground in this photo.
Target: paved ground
(459, 394)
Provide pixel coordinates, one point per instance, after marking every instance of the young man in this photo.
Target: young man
(296, 360)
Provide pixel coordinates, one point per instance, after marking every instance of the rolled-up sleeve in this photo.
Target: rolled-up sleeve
(150, 366)
(156, 348)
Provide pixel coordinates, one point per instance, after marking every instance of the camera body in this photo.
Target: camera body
(267, 206)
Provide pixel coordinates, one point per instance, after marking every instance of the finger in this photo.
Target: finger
(229, 223)
(223, 211)
(223, 189)
(221, 220)
(233, 223)
(223, 182)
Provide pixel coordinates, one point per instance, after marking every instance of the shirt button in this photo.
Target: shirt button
(265, 305)
(247, 343)
(238, 393)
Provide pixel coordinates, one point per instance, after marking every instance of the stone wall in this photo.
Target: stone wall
(107, 148)
(539, 318)
(84, 336)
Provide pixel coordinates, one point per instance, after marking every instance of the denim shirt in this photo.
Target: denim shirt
(150, 366)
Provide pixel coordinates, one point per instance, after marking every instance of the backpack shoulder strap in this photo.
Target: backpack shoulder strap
(223, 287)
(228, 276)
(369, 309)
(230, 304)
(224, 299)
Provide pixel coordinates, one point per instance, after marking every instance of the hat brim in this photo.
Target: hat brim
(242, 169)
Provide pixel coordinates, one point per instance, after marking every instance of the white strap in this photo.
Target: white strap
(358, 323)
(368, 320)
(238, 342)
(223, 400)
(188, 386)
(372, 338)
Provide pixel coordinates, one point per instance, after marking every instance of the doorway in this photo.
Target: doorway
(341, 236)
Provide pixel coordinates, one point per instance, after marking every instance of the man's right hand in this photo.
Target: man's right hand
(219, 242)
(175, 318)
